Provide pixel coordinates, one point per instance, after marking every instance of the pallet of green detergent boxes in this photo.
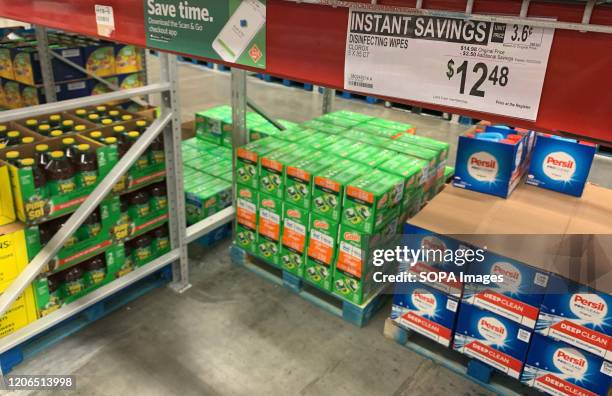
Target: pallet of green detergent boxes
(207, 171)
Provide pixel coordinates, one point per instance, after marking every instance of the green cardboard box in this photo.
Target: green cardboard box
(299, 178)
(351, 115)
(369, 201)
(409, 168)
(321, 256)
(372, 156)
(269, 228)
(247, 200)
(293, 240)
(272, 168)
(248, 159)
(329, 185)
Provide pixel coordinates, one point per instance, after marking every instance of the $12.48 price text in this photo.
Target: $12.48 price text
(496, 76)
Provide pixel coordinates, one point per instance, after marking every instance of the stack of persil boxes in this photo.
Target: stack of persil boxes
(207, 173)
(317, 202)
(536, 326)
(21, 78)
(48, 168)
(494, 159)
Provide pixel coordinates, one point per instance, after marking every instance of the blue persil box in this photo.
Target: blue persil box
(560, 164)
(426, 311)
(490, 167)
(556, 368)
(431, 267)
(577, 315)
(499, 342)
(517, 298)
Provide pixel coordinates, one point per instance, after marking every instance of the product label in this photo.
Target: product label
(321, 247)
(269, 224)
(294, 235)
(476, 65)
(86, 179)
(349, 259)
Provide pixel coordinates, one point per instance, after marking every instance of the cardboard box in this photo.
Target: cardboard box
(369, 201)
(247, 200)
(293, 241)
(411, 169)
(372, 156)
(99, 58)
(7, 207)
(248, 160)
(425, 311)
(20, 314)
(517, 298)
(577, 315)
(208, 197)
(272, 169)
(329, 185)
(560, 164)
(13, 251)
(322, 246)
(351, 115)
(556, 368)
(128, 58)
(269, 228)
(354, 271)
(299, 178)
(492, 339)
(395, 126)
(338, 120)
(26, 65)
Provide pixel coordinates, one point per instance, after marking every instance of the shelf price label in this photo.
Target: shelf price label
(475, 65)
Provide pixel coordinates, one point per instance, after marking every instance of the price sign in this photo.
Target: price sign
(476, 65)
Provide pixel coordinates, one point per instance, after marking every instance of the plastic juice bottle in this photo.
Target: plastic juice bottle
(141, 125)
(67, 125)
(142, 250)
(56, 133)
(94, 117)
(60, 174)
(27, 140)
(73, 281)
(68, 148)
(139, 204)
(14, 138)
(95, 271)
(31, 123)
(40, 180)
(91, 227)
(161, 240)
(86, 164)
(44, 129)
(42, 155)
(55, 120)
(159, 199)
(96, 135)
(12, 157)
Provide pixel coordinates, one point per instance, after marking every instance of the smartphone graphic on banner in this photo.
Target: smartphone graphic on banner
(238, 32)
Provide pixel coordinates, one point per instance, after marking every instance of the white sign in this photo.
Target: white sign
(475, 65)
(105, 20)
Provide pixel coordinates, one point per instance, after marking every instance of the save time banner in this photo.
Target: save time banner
(475, 65)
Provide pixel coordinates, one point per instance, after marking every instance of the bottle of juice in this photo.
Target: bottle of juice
(14, 138)
(56, 133)
(159, 199)
(93, 117)
(55, 120)
(67, 126)
(86, 163)
(139, 204)
(42, 155)
(142, 250)
(12, 157)
(95, 271)
(60, 174)
(40, 180)
(73, 281)
(161, 240)
(27, 140)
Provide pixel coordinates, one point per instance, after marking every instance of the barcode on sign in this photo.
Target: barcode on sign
(360, 84)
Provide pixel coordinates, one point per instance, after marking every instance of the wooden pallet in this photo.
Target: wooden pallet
(359, 315)
(473, 369)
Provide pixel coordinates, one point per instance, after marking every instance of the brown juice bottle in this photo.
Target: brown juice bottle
(81, 113)
(67, 126)
(86, 163)
(31, 123)
(114, 115)
(107, 122)
(141, 126)
(79, 128)
(96, 135)
(44, 129)
(42, 155)
(69, 149)
(12, 157)
(56, 133)
(60, 174)
(14, 138)
(55, 120)
(93, 117)
(126, 117)
(27, 140)
(101, 110)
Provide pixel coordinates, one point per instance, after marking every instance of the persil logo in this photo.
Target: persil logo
(588, 306)
(321, 224)
(246, 193)
(511, 274)
(559, 166)
(293, 213)
(483, 166)
(349, 236)
(424, 301)
(492, 330)
(268, 203)
(570, 362)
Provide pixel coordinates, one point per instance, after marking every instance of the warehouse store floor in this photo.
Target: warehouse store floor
(234, 333)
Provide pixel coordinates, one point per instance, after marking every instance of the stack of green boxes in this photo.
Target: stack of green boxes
(207, 175)
(317, 200)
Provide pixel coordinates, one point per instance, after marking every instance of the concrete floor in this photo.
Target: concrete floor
(233, 333)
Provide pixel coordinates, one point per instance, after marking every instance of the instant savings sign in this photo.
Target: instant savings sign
(233, 31)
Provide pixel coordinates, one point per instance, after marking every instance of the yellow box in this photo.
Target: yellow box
(13, 252)
(21, 313)
(7, 206)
